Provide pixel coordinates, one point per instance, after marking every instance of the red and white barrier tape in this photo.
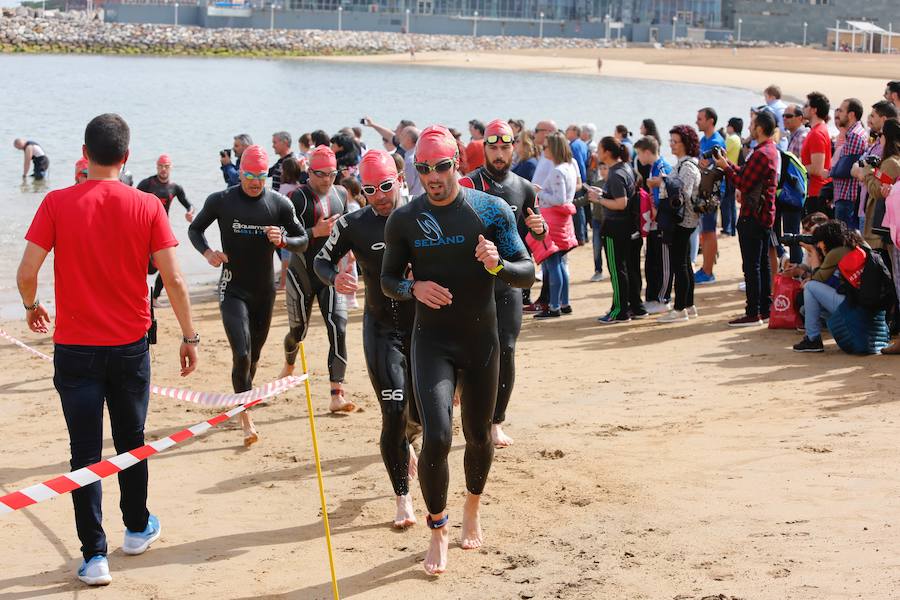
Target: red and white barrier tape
(97, 471)
(202, 398)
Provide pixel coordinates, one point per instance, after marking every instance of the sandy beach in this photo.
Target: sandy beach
(651, 462)
(797, 70)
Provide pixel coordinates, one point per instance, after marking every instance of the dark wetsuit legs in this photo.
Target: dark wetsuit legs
(509, 324)
(247, 326)
(299, 294)
(436, 365)
(157, 287)
(387, 361)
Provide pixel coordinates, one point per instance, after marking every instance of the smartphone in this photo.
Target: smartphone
(362, 121)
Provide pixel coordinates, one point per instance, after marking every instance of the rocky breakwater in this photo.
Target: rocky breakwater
(23, 30)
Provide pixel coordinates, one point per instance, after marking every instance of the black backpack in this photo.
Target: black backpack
(876, 288)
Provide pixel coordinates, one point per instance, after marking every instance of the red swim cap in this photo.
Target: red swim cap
(164, 160)
(377, 166)
(498, 127)
(436, 143)
(322, 158)
(80, 165)
(254, 160)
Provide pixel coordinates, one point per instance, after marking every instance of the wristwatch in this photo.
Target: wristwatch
(33, 306)
(191, 340)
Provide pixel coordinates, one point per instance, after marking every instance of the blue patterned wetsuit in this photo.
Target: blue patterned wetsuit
(460, 339)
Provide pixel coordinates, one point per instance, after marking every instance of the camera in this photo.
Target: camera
(794, 239)
(870, 161)
(362, 121)
(712, 153)
(225, 152)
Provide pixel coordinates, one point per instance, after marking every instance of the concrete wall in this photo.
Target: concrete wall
(777, 21)
(351, 21)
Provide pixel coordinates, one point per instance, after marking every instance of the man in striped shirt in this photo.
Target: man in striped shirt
(846, 190)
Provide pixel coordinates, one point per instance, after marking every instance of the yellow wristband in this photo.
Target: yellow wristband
(495, 270)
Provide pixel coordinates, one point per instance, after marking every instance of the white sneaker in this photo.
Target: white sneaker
(600, 276)
(538, 276)
(95, 571)
(137, 542)
(655, 308)
(742, 286)
(692, 312)
(673, 316)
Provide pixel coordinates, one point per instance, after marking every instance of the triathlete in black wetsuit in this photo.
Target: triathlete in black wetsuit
(34, 157)
(166, 190)
(495, 178)
(318, 204)
(456, 241)
(387, 323)
(253, 223)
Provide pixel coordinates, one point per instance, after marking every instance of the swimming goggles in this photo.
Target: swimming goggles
(441, 166)
(384, 186)
(324, 174)
(255, 176)
(505, 138)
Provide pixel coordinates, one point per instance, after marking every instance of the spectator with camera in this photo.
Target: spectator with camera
(804, 241)
(833, 241)
(706, 124)
(242, 141)
(756, 181)
(881, 112)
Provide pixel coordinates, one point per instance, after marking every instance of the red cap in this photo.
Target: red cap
(254, 160)
(164, 159)
(436, 143)
(498, 127)
(322, 158)
(80, 165)
(377, 166)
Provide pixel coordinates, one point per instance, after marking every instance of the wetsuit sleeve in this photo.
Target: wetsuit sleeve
(182, 197)
(518, 268)
(295, 237)
(197, 229)
(338, 244)
(144, 185)
(531, 202)
(230, 174)
(302, 206)
(396, 258)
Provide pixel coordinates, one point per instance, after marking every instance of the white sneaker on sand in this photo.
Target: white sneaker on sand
(95, 571)
(692, 312)
(673, 316)
(655, 308)
(599, 276)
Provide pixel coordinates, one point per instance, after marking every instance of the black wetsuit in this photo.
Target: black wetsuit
(519, 194)
(166, 192)
(387, 327)
(40, 163)
(246, 291)
(460, 339)
(303, 285)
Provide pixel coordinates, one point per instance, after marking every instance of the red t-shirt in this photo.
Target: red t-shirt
(817, 142)
(102, 234)
(475, 154)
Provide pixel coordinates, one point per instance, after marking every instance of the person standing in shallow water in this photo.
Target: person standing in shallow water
(457, 241)
(34, 157)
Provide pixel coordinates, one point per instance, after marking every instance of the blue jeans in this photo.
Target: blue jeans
(845, 211)
(85, 377)
(819, 301)
(556, 273)
(597, 241)
(729, 210)
(580, 225)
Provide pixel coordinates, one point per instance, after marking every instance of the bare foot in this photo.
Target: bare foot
(435, 561)
(472, 537)
(501, 440)
(250, 434)
(413, 470)
(339, 403)
(286, 371)
(406, 516)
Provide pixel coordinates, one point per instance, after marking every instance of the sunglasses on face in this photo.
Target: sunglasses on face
(505, 138)
(255, 176)
(440, 167)
(384, 186)
(324, 174)
(790, 115)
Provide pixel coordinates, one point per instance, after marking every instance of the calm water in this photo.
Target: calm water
(190, 108)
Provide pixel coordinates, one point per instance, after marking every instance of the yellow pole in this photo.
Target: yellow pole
(315, 443)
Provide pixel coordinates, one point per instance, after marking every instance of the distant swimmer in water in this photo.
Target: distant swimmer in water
(34, 157)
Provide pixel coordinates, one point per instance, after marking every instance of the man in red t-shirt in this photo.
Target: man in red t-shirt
(102, 233)
(816, 152)
(475, 149)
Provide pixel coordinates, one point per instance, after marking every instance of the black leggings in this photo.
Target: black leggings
(387, 360)
(247, 327)
(509, 324)
(617, 249)
(680, 257)
(157, 286)
(658, 269)
(437, 363)
(299, 294)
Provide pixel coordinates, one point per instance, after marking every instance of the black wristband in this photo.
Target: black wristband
(33, 306)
